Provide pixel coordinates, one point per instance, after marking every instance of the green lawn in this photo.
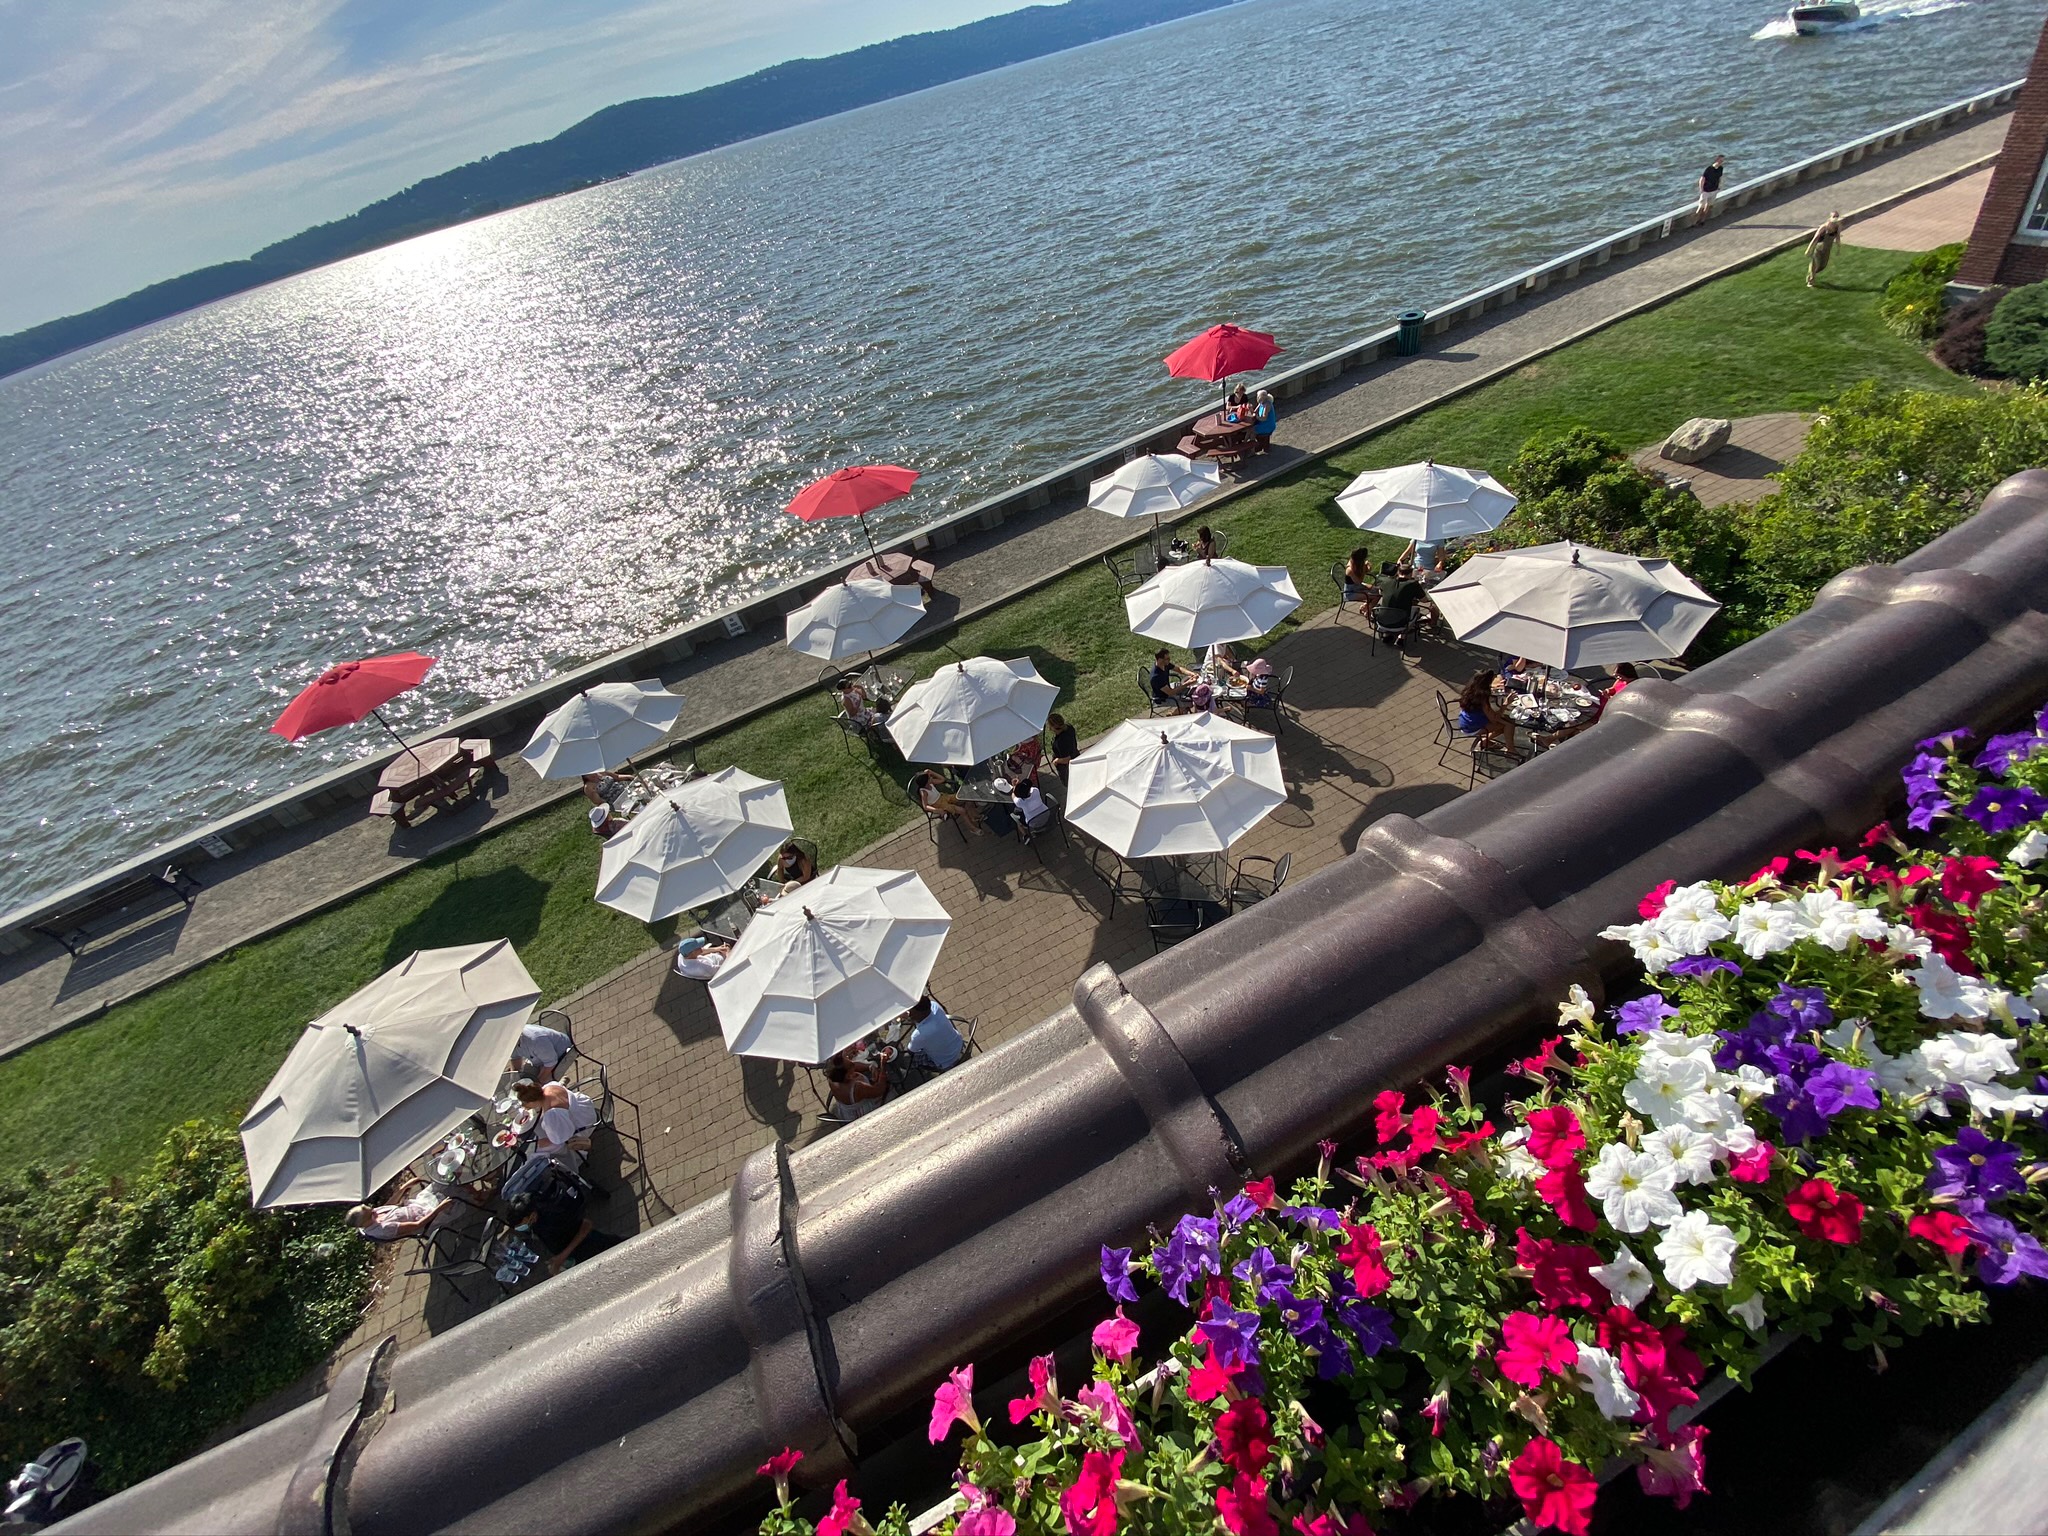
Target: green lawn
(205, 1044)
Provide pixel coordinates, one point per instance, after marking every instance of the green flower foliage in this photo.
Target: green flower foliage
(2016, 335)
(1911, 302)
(146, 1317)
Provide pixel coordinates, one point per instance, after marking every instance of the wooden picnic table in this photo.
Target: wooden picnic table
(896, 569)
(445, 772)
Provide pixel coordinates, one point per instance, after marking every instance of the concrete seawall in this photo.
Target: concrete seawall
(347, 789)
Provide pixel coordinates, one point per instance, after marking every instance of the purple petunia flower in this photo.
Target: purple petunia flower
(1266, 1273)
(1974, 1167)
(1317, 1216)
(1925, 798)
(1948, 740)
(1799, 1119)
(1239, 1209)
(1333, 1355)
(1839, 1086)
(2000, 807)
(2001, 752)
(1116, 1274)
(1192, 1251)
(1703, 965)
(1752, 1045)
(1234, 1335)
(1643, 1013)
(1372, 1326)
(1300, 1317)
(1804, 1008)
(2009, 1254)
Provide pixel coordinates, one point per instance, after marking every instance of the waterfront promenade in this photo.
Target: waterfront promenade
(285, 878)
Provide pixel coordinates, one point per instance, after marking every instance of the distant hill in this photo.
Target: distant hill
(617, 141)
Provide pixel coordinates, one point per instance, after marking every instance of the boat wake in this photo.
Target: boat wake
(1876, 14)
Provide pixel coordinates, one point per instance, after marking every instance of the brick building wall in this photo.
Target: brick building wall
(1994, 256)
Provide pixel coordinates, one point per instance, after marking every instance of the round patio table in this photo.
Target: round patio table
(897, 569)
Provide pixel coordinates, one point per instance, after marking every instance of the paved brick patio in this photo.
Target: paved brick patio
(1361, 745)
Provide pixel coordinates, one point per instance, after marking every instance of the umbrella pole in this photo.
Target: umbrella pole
(876, 553)
(395, 736)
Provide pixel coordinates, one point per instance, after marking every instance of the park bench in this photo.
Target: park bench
(119, 907)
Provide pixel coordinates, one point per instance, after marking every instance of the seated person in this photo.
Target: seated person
(937, 797)
(540, 1051)
(1427, 559)
(1028, 804)
(552, 1215)
(1205, 544)
(605, 788)
(1401, 597)
(1623, 676)
(1517, 675)
(794, 867)
(415, 1204)
(1167, 679)
(853, 702)
(605, 822)
(1237, 403)
(1219, 664)
(857, 1084)
(1022, 760)
(1479, 716)
(1066, 744)
(1200, 696)
(566, 1121)
(699, 958)
(934, 1040)
(1358, 579)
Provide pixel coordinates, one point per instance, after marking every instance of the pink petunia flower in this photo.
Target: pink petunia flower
(1561, 1274)
(1361, 1250)
(1821, 1211)
(1045, 1391)
(1564, 1191)
(1089, 1506)
(1753, 1166)
(1677, 1468)
(954, 1400)
(1115, 1336)
(1390, 1115)
(1242, 1506)
(1966, 879)
(1555, 1136)
(844, 1515)
(1244, 1438)
(1945, 1229)
(1652, 904)
(1116, 1418)
(1533, 1345)
(1554, 1492)
(1260, 1192)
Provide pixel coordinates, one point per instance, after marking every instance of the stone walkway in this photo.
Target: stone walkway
(1940, 217)
(42, 991)
(1363, 746)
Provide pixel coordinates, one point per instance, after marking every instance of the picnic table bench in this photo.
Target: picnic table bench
(119, 906)
(434, 775)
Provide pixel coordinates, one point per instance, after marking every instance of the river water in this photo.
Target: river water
(533, 439)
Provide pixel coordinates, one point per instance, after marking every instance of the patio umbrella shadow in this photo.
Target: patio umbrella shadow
(504, 904)
(1057, 670)
(684, 1005)
(771, 1092)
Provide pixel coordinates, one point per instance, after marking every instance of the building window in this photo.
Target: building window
(2033, 228)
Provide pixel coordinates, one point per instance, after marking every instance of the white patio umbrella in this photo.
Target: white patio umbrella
(692, 844)
(1568, 606)
(1427, 502)
(968, 711)
(381, 1076)
(852, 617)
(1155, 485)
(1190, 784)
(600, 728)
(826, 964)
(1207, 601)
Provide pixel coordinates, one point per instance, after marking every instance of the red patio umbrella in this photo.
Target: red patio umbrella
(853, 492)
(1221, 351)
(345, 693)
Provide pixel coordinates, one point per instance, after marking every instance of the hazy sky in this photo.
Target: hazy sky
(142, 138)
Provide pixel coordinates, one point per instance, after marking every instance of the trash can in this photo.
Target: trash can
(1408, 340)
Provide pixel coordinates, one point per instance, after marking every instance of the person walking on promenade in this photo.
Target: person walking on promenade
(1820, 249)
(1710, 186)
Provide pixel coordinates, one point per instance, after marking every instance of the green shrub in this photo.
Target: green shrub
(146, 1318)
(2016, 336)
(1911, 302)
(1885, 471)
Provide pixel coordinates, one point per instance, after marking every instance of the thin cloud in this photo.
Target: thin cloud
(141, 138)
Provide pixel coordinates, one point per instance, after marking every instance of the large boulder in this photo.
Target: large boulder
(1699, 438)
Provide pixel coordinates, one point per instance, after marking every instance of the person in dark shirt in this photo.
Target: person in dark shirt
(1399, 593)
(1710, 186)
(552, 1215)
(1066, 746)
(1166, 679)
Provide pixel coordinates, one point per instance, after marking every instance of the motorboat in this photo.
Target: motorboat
(1810, 20)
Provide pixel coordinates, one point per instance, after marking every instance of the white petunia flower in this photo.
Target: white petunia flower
(1651, 946)
(1516, 1163)
(1996, 1099)
(1664, 1045)
(1577, 1008)
(1962, 1056)
(1838, 922)
(2029, 850)
(1690, 1152)
(2039, 995)
(2014, 1009)
(1751, 1312)
(1768, 927)
(1634, 1188)
(1904, 939)
(1946, 994)
(1601, 1373)
(1734, 1140)
(1695, 1251)
(1628, 1279)
(1662, 1098)
(1712, 1111)
(1752, 1082)
(1692, 919)
(1843, 1036)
